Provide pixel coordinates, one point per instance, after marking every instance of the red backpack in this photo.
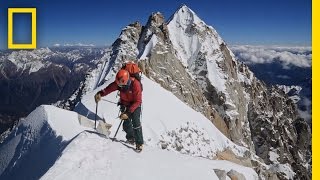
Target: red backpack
(133, 70)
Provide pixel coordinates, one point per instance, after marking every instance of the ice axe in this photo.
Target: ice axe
(95, 117)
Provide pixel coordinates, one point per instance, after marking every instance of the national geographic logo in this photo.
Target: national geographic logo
(33, 12)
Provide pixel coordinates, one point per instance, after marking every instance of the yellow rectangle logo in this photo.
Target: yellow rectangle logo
(33, 12)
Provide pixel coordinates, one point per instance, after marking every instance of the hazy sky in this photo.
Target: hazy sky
(99, 22)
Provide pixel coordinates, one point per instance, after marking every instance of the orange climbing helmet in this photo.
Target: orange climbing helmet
(122, 78)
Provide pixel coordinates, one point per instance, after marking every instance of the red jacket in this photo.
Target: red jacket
(131, 98)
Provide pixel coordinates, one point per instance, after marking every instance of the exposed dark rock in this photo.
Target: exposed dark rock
(222, 174)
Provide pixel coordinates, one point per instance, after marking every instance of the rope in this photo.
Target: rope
(109, 101)
(137, 127)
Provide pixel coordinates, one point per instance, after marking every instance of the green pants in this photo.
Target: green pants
(132, 127)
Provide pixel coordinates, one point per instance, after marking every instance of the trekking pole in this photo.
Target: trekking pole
(95, 117)
(114, 137)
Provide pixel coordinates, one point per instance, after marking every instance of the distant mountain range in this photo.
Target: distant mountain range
(42, 76)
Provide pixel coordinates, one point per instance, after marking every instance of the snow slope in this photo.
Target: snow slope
(32, 148)
(167, 122)
(92, 157)
(151, 44)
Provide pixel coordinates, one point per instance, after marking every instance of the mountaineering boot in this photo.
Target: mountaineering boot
(139, 147)
(130, 141)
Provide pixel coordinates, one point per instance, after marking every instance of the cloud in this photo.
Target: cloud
(296, 56)
(74, 45)
(283, 77)
(306, 114)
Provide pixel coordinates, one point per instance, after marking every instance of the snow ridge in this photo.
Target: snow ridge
(32, 147)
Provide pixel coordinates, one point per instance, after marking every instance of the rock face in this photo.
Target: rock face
(277, 130)
(164, 67)
(222, 175)
(234, 175)
(294, 80)
(190, 59)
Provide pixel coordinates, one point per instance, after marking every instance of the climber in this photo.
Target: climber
(130, 105)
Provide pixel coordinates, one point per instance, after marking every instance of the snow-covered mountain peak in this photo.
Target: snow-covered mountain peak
(185, 17)
(211, 63)
(189, 35)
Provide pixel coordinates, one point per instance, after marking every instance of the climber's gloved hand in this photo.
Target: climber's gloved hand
(124, 116)
(97, 97)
